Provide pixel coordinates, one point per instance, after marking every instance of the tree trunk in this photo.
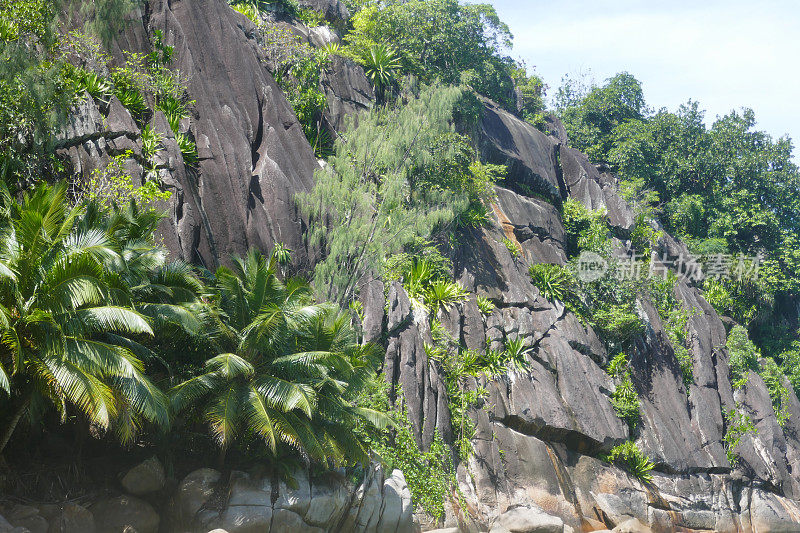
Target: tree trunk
(12, 425)
(223, 451)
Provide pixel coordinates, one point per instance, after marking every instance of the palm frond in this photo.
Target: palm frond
(229, 365)
(286, 394)
(115, 319)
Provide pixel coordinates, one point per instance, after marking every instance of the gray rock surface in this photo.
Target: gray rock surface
(380, 504)
(347, 90)
(144, 478)
(253, 154)
(119, 514)
(71, 518)
(526, 519)
(529, 154)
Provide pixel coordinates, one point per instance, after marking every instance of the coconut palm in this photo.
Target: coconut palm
(65, 320)
(290, 372)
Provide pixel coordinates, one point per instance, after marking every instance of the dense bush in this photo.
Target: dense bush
(724, 189)
(92, 316)
(399, 176)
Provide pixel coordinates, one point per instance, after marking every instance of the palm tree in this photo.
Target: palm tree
(290, 372)
(65, 320)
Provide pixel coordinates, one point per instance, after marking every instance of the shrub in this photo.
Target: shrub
(586, 230)
(188, 149)
(773, 378)
(617, 324)
(633, 460)
(625, 400)
(738, 425)
(675, 327)
(553, 281)
(513, 247)
(742, 356)
(100, 88)
(113, 185)
(485, 306)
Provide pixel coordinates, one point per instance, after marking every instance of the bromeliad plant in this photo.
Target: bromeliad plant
(289, 370)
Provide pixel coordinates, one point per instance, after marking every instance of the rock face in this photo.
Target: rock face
(380, 504)
(144, 478)
(347, 90)
(253, 154)
(541, 430)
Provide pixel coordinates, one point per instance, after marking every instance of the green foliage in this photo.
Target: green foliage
(67, 317)
(675, 327)
(738, 424)
(430, 474)
(554, 282)
(188, 149)
(629, 456)
(98, 87)
(289, 371)
(441, 39)
(429, 287)
(113, 185)
(625, 400)
(618, 366)
(591, 119)
(791, 365)
(643, 236)
(531, 91)
(774, 380)
(391, 182)
(485, 306)
(297, 67)
(380, 63)
(586, 230)
(726, 189)
(617, 324)
(514, 248)
(742, 356)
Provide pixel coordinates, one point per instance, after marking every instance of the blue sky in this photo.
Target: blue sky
(724, 54)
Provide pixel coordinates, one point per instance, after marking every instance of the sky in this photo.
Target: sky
(724, 54)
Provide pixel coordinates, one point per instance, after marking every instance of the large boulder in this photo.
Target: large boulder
(529, 154)
(121, 513)
(347, 90)
(193, 493)
(526, 519)
(26, 517)
(144, 478)
(72, 518)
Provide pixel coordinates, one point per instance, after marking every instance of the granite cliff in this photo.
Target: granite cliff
(540, 431)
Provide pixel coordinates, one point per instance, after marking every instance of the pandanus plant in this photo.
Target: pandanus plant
(381, 65)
